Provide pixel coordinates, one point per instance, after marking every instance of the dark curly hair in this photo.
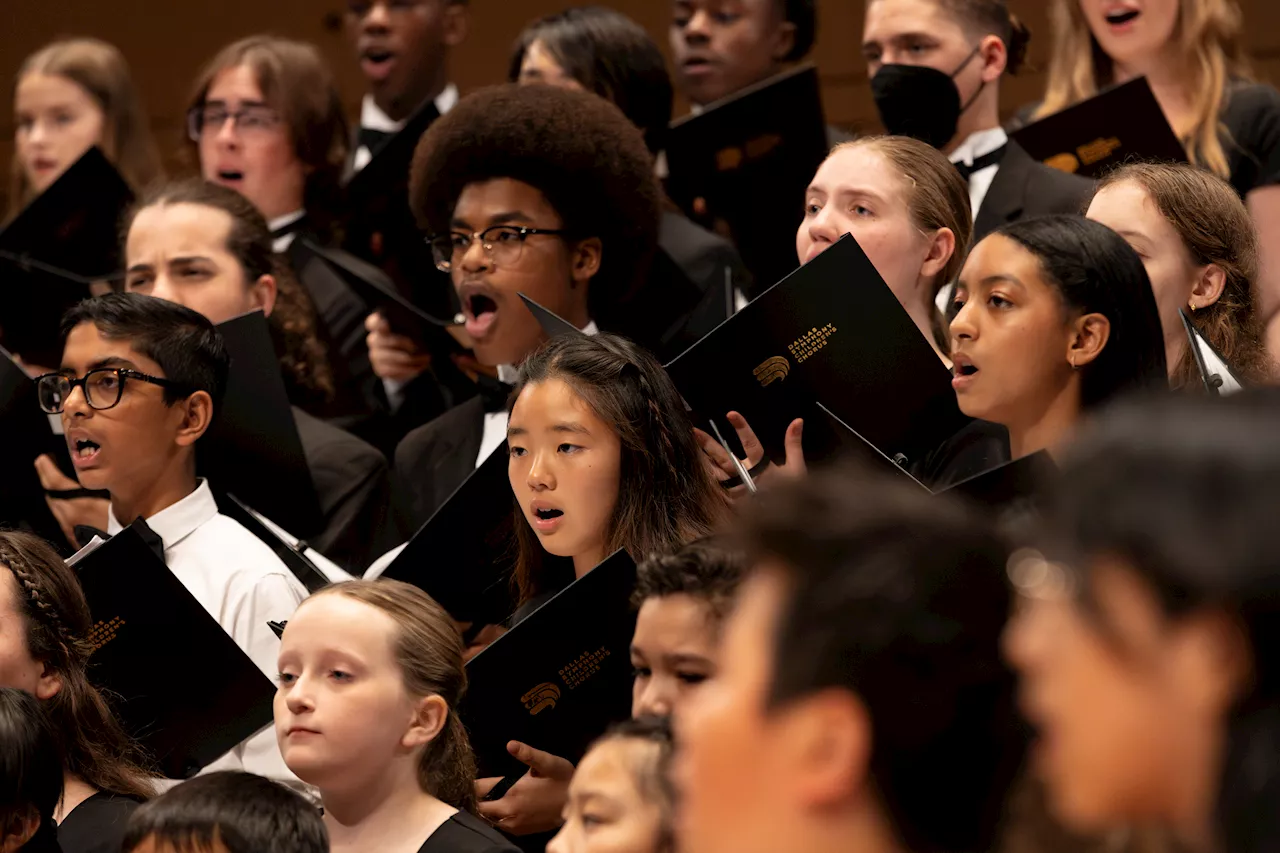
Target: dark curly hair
(708, 569)
(577, 149)
(304, 361)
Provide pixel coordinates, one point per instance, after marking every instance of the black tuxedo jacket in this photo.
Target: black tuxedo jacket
(1023, 188)
(433, 460)
(354, 487)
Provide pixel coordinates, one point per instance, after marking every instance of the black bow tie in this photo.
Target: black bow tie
(493, 393)
(84, 535)
(372, 139)
(991, 158)
(292, 228)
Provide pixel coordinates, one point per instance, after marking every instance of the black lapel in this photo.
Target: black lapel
(455, 456)
(1006, 199)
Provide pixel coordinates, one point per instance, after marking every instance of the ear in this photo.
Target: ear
(430, 716)
(994, 57)
(18, 831)
(457, 23)
(829, 747)
(586, 258)
(1208, 288)
(264, 292)
(1089, 336)
(1216, 664)
(49, 684)
(784, 40)
(941, 247)
(197, 414)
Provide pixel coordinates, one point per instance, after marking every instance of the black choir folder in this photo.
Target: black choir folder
(143, 643)
(252, 450)
(1122, 124)
(750, 157)
(25, 433)
(463, 555)
(66, 238)
(831, 333)
(559, 677)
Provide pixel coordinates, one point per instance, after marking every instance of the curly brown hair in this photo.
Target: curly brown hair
(56, 625)
(577, 149)
(304, 361)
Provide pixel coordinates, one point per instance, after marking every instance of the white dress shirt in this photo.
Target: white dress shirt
(243, 585)
(372, 117)
(977, 145)
(494, 433)
(279, 244)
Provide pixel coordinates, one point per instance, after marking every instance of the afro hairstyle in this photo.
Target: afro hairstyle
(576, 148)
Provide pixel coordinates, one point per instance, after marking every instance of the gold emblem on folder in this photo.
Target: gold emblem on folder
(1064, 163)
(541, 698)
(810, 343)
(104, 632)
(772, 370)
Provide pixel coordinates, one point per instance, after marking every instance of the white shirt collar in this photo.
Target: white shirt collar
(509, 373)
(978, 144)
(178, 520)
(372, 116)
(288, 219)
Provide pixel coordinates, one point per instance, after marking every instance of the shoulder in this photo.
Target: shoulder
(225, 550)
(465, 833)
(441, 432)
(326, 445)
(1251, 117)
(97, 825)
(1049, 190)
(688, 242)
(1246, 101)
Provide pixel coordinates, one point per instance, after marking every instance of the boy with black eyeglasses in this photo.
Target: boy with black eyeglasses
(140, 383)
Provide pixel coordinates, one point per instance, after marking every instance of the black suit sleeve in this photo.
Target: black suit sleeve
(353, 483)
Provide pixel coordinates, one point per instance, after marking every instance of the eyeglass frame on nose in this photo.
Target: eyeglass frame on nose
(521, 232)
(123, 374)
(196, 123)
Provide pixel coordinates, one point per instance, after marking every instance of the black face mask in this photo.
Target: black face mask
(920, 102)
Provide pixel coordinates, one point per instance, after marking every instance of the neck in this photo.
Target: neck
(390, 812)
(74, 792)
(982, 114)
(921, 310)
(1175, 346)
(861, 828)
(1051, 428)
(586, 561)
(283, 207)
(171, 486)
(1196, 797)
(399, 109)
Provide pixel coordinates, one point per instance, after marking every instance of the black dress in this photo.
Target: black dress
(1251, 118)
(466, 833)
(97, 825)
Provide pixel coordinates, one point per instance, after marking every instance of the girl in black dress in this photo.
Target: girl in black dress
(621, 798)
(1146, 634)
(371, 673)
(44, 649)
(1055, 317)
(602, 458)
(1192, 53)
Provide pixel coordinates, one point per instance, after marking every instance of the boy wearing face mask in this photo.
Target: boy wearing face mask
(935, 69)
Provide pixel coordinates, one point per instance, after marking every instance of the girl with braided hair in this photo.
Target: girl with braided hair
(603, 457)
(44, 625)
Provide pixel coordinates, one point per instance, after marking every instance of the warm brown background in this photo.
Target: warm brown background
(166, 41)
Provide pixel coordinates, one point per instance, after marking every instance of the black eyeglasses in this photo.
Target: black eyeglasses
(103, 387)
(252, 120)
(502, 244)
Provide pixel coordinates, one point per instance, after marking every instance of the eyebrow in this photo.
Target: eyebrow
(1002, 278)
(503, 218)
(221, 102)
(569, 427)
(104, 361)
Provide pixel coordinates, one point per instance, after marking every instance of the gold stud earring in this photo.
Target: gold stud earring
(1193, 306)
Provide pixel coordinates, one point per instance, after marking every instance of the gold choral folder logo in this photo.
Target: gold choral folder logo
(772, 370)
(104, 632)
(541, 698)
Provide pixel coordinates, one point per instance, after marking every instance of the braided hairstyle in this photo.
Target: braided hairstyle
(56, 622)
(666, 497)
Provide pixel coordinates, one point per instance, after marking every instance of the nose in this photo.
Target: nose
(38, 132)
(963, 326)
(76, 405)
(822, 226)
(541, 478)
(377, 19)
(697, 29)
(162, 288)
(225, 137)
(299, 698)
(654, 701)
(1022, 642)
(475, 258)
(562, 843)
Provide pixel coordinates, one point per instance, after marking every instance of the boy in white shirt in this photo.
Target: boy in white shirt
(140, 383)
